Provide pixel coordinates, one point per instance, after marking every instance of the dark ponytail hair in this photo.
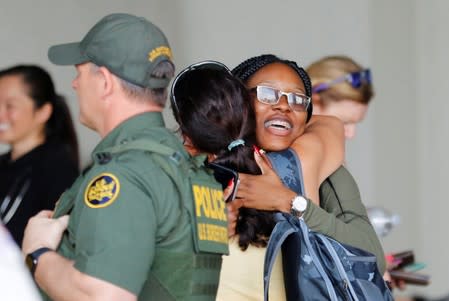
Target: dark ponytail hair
(247, 68)
(212, 115)
(59, 127)
(213, 109)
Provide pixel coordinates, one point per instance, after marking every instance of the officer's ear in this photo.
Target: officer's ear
(106, 81)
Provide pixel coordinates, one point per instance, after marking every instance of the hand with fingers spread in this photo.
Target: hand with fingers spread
(43, 231)
(256, 191)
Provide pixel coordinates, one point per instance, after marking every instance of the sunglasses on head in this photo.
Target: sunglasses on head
(354, 78)
(271, 96)
(209, 64)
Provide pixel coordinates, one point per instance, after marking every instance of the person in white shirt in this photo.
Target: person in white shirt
(15, 280)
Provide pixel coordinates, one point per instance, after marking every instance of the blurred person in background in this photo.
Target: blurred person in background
(342, 88)
(42, 160)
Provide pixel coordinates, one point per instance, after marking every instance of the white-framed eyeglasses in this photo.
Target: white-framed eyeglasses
(271, 96)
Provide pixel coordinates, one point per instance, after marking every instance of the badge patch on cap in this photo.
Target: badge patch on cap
(162, 50)
(102, 191)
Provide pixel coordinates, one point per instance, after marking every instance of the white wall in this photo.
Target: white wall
(432, 129)
(394, 140)
(398, 156)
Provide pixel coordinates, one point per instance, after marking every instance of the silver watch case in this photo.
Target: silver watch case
(299, 205)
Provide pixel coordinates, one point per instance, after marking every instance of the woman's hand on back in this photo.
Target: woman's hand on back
(265, 191)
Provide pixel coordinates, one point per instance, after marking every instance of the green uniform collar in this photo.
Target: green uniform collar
(135, 124)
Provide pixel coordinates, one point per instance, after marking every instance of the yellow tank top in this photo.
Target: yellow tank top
(241, 276)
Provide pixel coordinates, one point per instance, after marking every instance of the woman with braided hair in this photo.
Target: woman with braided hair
(338, 211)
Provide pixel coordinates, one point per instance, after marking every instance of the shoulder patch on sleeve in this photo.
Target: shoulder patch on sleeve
(102, 191)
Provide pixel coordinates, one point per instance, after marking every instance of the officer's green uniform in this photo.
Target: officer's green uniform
(129, 225)
(342, 215)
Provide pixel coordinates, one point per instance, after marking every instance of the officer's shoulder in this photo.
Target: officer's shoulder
(136, 160)
(131, 166)
(141, 154)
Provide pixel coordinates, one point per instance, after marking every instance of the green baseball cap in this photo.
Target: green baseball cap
(129, 46)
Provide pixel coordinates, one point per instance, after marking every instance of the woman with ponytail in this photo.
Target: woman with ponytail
(215, 117)
(43, 157)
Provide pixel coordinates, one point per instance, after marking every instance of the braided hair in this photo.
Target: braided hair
(247, 68)
(255, 226)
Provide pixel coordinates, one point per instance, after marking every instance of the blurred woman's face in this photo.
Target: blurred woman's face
(278, 125)
(349, 111)
(19, 118)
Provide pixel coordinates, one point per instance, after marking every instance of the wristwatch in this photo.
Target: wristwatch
(299, 205)
(32, 258)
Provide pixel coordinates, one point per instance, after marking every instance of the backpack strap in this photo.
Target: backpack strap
(306, 237)
(337, 261)
(280, 233)
(292, 233)
(288, 167)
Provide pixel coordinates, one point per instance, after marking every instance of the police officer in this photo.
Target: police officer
(145, 222)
